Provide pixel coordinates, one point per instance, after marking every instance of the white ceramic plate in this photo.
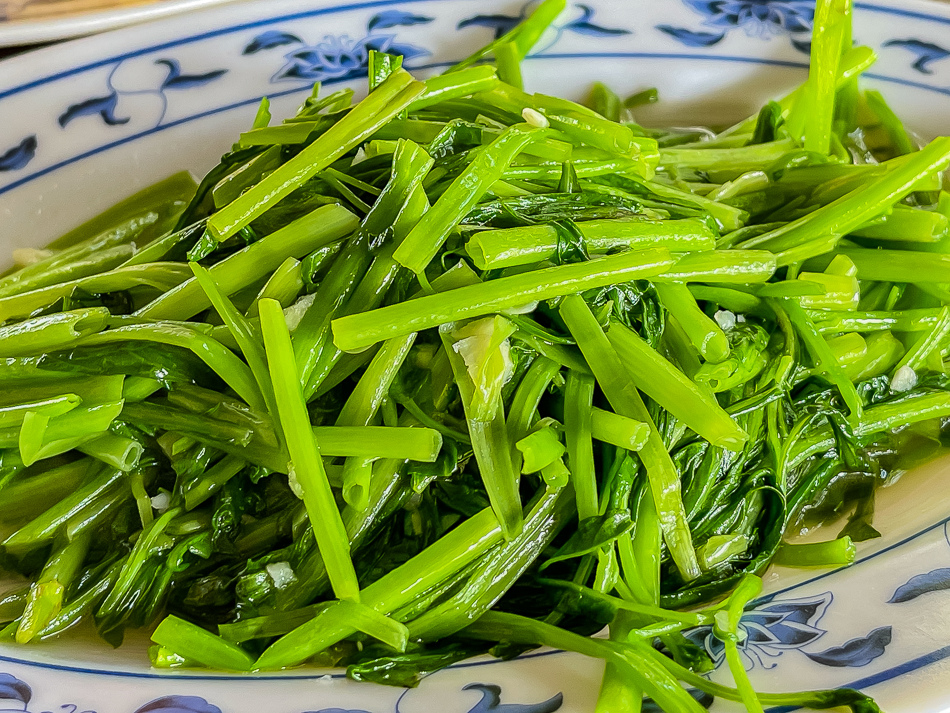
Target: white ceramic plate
(26, 22)
(85, 124)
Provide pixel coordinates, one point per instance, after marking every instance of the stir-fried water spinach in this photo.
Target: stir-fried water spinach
(459, 369)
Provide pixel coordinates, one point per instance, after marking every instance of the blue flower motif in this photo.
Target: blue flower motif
(179, 704)
(340, 57)
(770, 629)
(12, 160)
(926, 52)
(759, 18)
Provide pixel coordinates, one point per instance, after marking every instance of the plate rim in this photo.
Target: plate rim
(201, 10)
(920, 9)
(24, 32)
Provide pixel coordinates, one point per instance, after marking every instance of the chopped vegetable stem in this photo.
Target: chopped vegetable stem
(305, 453)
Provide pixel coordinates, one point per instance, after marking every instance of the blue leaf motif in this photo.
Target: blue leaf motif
(491, 701)
(857, 652)
(499, 23)
(396, 18)
(926, 52)
(14, 159)
(103, 106)
(407, 51)
(703, 7)
(806, 610)
(691, 38)
(934, 581)
(584, 26)
(803, 46)
(177, 80)
(271, 39)
(380, 43)
(179, 704)
(13, 689)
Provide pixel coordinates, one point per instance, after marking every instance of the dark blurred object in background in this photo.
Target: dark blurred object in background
(10, 51)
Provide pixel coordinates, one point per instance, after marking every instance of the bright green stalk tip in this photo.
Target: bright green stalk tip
(832, 553)
(192, 642)
(540, 449)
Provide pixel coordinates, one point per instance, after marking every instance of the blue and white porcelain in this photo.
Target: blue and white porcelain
(85, 124)
(24, 22)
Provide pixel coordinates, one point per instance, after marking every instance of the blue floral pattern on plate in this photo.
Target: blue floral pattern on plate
(759, 18)
(581, 25)
(282, 55)
(491, 701)
(105, 106)
(20, 155)
(926, 53)
(936, 580)
(770, 629)
(856, 652)
(13, 691)
(339, 57)
(179, 704)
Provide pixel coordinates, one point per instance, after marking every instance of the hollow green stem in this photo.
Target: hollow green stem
(622, 394)
(508, 247)
(669, 387)
(424, 240)
(704, 333)
(358, 331)
(321, 227)
(854, 209)
(618, 430)
(193, 642)
(448, 555)
(394, 95)
(305, 453)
